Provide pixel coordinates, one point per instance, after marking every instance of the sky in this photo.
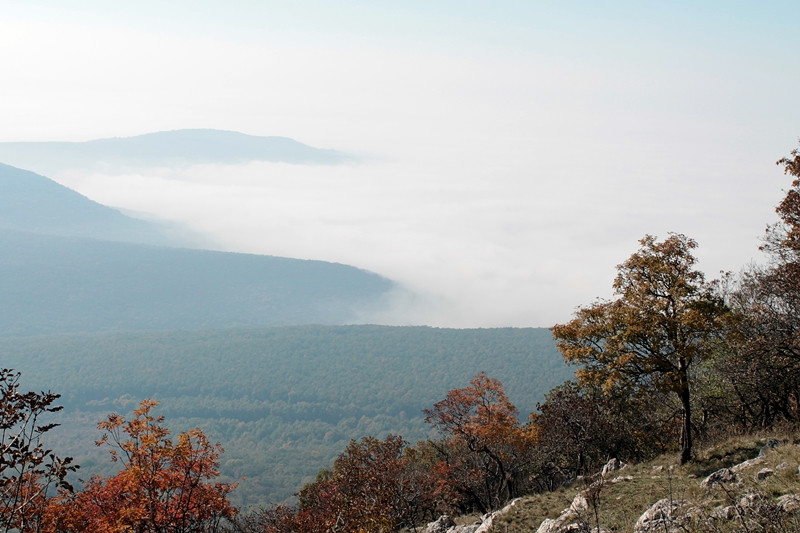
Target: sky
(512, 152)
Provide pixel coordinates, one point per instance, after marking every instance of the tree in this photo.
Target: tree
(779, 284)
(581, 428)
(27, 469)
(486, 445)
(786, 235)
(660, 324)
(374, 488)
(375, 485)
(762, 367)
(164, 485)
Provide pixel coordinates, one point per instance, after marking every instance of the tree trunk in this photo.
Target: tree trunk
(686, 433)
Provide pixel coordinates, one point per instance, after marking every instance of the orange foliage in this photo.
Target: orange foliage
(488, 449)
(162, 488)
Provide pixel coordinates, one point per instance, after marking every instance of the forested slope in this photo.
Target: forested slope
(282, 401)
(55, 284)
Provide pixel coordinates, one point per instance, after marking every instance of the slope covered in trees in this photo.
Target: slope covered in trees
(56, 284)
(69, 264)
(282, 401)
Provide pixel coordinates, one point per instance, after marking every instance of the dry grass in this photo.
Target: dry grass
(616, 506)
(529, 513)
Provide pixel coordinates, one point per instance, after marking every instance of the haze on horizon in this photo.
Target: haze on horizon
(513, 152)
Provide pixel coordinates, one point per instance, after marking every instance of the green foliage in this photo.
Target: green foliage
(753, 379)
(284, 402)
(581, 427)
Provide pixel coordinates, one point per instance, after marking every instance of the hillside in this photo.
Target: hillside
(166, 148)
(68, 264)
(54, 284)
(34, 203)
(742, 484)
(282, 401)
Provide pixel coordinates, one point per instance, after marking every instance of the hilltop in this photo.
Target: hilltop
(167, 148)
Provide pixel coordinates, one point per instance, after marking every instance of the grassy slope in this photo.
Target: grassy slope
(619, 505)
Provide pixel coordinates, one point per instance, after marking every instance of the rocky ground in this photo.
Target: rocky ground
(743, 485)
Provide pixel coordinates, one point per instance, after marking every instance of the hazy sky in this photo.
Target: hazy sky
(515, 150)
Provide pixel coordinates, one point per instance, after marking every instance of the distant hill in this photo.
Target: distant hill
(166, 148)
(68, 264)
(282, 401)
(53, 284)
(34, 203)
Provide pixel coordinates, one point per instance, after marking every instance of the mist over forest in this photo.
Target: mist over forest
(302, 267)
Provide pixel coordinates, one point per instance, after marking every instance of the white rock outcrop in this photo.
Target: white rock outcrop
(665, 516)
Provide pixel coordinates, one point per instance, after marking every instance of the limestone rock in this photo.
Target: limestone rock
(612, 466)
(790, 503)
(726, 513)
(723, 475)
(747, 464)
(567, 522)
(664, 516)
(750, 500)
(580, 502)
(488, 520)
(554, 525)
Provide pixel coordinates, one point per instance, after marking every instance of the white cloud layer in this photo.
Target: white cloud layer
(516, 152)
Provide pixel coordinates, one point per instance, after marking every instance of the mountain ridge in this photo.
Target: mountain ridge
(57, 284)
(35, 203)
(68, 264)
(167, 148)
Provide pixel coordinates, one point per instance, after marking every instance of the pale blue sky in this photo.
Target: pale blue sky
(519, 149)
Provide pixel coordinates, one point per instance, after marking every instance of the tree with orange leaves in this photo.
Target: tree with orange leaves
(375, 485)
(164, 485)
(487, 449)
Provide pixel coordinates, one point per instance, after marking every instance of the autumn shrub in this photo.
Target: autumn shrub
(487, 450)
(164, 486)
(374, 485)
(580, 428)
